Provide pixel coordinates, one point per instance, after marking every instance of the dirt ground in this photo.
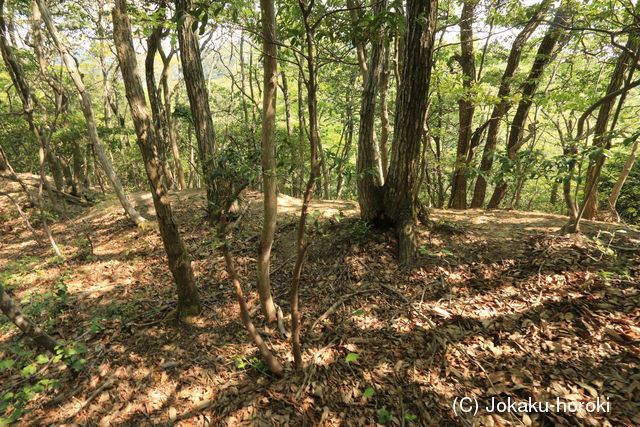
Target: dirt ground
(499, 306)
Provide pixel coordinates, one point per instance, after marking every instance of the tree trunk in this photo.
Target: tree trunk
(502, 107)
(269, 175)
(153, 92)
(465, 108)
(199, 102)
(400, 192)
(147, 136)
(549, 46)
(25, 93)
(612, 214)
(301, 133)
(13, 313)
(601, 137)
(87, 110)
(368, 183)
(385, 124)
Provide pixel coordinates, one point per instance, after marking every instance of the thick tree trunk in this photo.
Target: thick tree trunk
(549, 46)
(269, 176)
(369, 189)
(147, 135)
(199, 102)
(87, 110)
(501, 108)
(400, 192)
(465, 108)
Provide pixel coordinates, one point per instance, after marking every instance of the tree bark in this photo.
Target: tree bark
(385, 124)
(502, 107)
(199, 102)
(465, 108)
(368, 183)
(400, 191)
(87, 110)
(269, 176)
(147, 136)
(549, 46)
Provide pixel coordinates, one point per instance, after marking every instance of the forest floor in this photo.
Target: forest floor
(499, 306)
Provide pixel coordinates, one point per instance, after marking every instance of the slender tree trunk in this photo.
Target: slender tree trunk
(601, 137)
(147, 135)
(301, 133)
(314, 142)
(552, 41)
(465, 108)
(369, 187)
(400, 192)
(25, 93)
(173, 138)
(617, 187)
(269, 175)
(502, 107)
(153, 92)
(87, 110)
(199, 102)
(12, 311)
(385, 124)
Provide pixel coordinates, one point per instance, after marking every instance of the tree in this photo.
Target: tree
(465, 108)
(147, 136)
(502, 107)
(89, 116)
(400, 192)
(602, 138)
(269, 183)
(369, 182)
(199, 102)
(552, 41)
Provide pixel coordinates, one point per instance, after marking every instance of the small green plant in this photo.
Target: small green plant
(351, 357)
(384, 416)
(251, 362)
(35, 379)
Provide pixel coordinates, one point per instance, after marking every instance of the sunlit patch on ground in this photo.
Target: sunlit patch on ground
(498, 306)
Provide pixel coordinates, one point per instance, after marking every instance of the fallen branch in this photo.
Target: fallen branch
(337, 304)
(107, 384)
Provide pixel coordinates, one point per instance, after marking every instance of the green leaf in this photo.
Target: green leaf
(410, 417)
(42, 358)
(351, 357)
(369, 392)
(6, 364)
(358, 312)
(29, 370)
